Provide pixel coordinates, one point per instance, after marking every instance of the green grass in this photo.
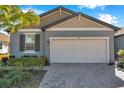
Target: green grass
(28, 61)
(22, 72)
(20, 78)
(25, 62)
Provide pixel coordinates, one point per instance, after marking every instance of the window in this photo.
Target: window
(29, 42)
(0, 45)
(5, 44)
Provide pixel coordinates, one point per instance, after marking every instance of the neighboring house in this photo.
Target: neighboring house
(65, 36)
(119, 40)
(4, 43)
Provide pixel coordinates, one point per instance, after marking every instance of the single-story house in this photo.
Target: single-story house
(65, 36)
(119, 40)
(4, 43)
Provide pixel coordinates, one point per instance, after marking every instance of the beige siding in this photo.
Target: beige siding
(54, 17)
(77, 22)
(50, 18)
(120, 32)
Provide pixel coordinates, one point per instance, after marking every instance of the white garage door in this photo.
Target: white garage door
(75, 50)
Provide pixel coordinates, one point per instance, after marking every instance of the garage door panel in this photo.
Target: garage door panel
(61, 48)
(90, 47)
(78, 51)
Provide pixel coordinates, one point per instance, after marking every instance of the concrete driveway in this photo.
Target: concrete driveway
(82, 76)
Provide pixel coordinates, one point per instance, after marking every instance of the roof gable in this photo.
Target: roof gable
(56, 9)
(55, 15)
(52, 16)
(85, 16)
(120, 33)
(60, 15)
(79, 22)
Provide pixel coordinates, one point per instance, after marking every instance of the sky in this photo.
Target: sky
(113, 14)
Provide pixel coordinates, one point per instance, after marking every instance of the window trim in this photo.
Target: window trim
(29, 51)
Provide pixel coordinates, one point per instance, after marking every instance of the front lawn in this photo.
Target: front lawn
(22, 72)
(20, 79)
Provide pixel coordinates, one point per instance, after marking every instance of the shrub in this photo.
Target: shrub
(5, 83)
(120, 65)
(28, 61)
(4, 55)
(120, 52)
(120, 59)
(1, 73)
(4, 60)
(14, 77)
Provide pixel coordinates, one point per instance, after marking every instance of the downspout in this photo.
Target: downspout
(44, 43)
(115, 31)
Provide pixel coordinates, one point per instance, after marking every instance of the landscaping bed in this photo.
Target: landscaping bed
(4, 55)
(25, 72)
(21, 79)
(119, 62)
(24, 61)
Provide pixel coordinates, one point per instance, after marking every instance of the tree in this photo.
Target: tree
(12, 18)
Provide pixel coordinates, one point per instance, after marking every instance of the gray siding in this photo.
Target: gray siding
(45, 44)
(14, 45)
(110, 34)
(119, 42)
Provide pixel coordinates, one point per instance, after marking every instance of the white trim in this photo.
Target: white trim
(107, 38)
(25, 30)
(66, 12)
(108, 54)
(94, 37)
(51, 38)
(79, 38)
(29, 33)
(79, 29)
(60, 11)
(79, 17)
(29, 51)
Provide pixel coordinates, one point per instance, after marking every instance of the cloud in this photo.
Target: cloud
(91, 6)
(37, 11)
(108, 18)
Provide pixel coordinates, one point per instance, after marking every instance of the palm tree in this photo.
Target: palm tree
(12, 18)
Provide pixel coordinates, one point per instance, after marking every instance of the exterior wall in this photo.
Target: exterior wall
(45, 42)
(5, 48)
(4, 37)
(119, 42)
(110, 34)
(14, 45)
